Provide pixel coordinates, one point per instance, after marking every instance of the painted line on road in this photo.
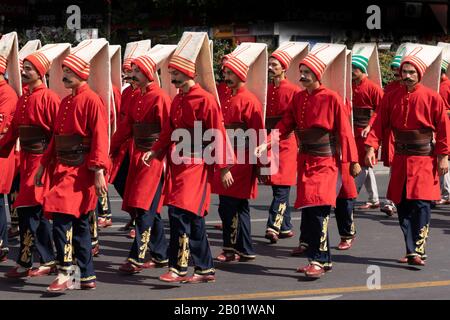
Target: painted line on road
(315, 298)
(324, 291)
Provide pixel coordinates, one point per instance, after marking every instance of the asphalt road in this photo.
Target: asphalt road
(272, 275)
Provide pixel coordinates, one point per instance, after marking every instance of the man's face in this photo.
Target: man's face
(128, 75)
(70, 79)
(307, 77)
(396, 72)
(178, 78)
(356, 73)
(410, 77)
(275, 68)
(29, 73)
(138, 77)
(231, 79)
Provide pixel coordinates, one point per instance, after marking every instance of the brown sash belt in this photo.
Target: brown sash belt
(196, 150)
(414, 142)
(361, 116)
(145, 135)
(271, 122)
(316, 141)
(33, 139)
(239, 140)
(72, 149)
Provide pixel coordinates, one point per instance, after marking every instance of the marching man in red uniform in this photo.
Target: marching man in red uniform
(143, 122)
(242, 110)
(416, 115)
(320, 120)
(33, 124)
(8, 99)
(79, 151)
(283, 84)
(188, 196)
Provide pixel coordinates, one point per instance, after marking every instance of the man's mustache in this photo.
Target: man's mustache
(303, 79)
(25, 76)
(408, 80)
(228, 82)
(176, 82)
(66, 80)
(127, 78)
(134, 78)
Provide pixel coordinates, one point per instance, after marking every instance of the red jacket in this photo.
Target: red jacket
(403, 110)
(72, 187)
(38, 108)
(142, 181)
(317, 176)
(243, 108)
(8, 101)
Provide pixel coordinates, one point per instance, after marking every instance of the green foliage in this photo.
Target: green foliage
(385, 58)
(221, 48)
(48, 35)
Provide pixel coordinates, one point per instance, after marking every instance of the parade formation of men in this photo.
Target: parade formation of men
(172, 136)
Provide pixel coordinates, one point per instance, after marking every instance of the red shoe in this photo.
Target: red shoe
(369, 205)
(403, 260)
(61, 283)
(43, 271)
(345, 244)
(388, 209)
(416, 261)
(104, 222)
(96, 250)
(199, 278)
(303, 269)
(129, 268)
(297, 252)
(314, 271)
(151, 264)
(88, 285)
(228, 257)
(128, 226)
(218, 226)
(15, 274)
(171, 276)
(284, 235)
(13, 232)
(272, 236)
(132, 234)
(3, 256)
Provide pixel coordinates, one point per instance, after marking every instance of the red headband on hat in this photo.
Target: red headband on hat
(183, 65)
(238, 67)
(77, 65)
(282, 57)
(3, 64)
(146, 65)
(315, 64)
(40, 62)
(416, 63)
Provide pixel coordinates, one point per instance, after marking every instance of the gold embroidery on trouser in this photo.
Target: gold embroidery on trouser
(323, 238)
(234, 229)
(68, 246)
(28, 240)
(352, 227)
(423, 235)
(93, 226)
(183, 251)
(104, 202)
(145, 238)
(280, 215)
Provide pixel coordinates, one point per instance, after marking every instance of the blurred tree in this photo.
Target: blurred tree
(385, 58)
(220, 48)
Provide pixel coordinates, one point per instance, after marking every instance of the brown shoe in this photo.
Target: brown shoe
(303, 269)
(14, 273)
(88, 285)
(171, 276)
(3, 256)
(298, 251)
(96, 250)
(228, 257)
(416, 261)
(272, 236)
(150, 264)
(200, 278)
(218, 226)
(132, 234)
(13, 232)
(104, 222)
(129, 268)
(61, 283)
(284, 235)
(345, 244)
(314, 271)
(43, 271)
(403, 260)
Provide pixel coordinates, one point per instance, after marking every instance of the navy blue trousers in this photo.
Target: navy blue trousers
(344, 218)
(3, 227)
(279, 212)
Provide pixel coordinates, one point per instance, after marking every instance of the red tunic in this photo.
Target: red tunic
(38, 108)
(444, 90)
(189, 184)
(115, 101)
(278, 100)
(8, 101)
(72, 187)
(142, 181)
(126, 100)
(366, 95)
(403, 110)
(243, 108)
(391, 86)
(317, 176)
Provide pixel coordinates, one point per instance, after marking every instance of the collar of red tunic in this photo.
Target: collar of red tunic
(151, 86)
(81, 89)
(240, 90)
(194, 87)
(416, 87)
(315, 91)
(39, 87)
(2, 82)
(363, 80)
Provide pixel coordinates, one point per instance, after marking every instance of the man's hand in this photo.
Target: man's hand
(365, 131)
(38, 177)
(226, 177)
(100, 183)
(355, 169)
(370, 158)
(147, 157)
(442, 164)
(259, 150)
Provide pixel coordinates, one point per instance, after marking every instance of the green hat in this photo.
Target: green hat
(444, 65)
(360, 62)
(396, 62)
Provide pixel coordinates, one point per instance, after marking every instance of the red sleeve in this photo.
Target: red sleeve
(8, 126)
(161, 146)
(287, 123)
(346, 139)
(377, 95)
(441, 125)
(380, 125)
(98, 156)
(122, 134)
